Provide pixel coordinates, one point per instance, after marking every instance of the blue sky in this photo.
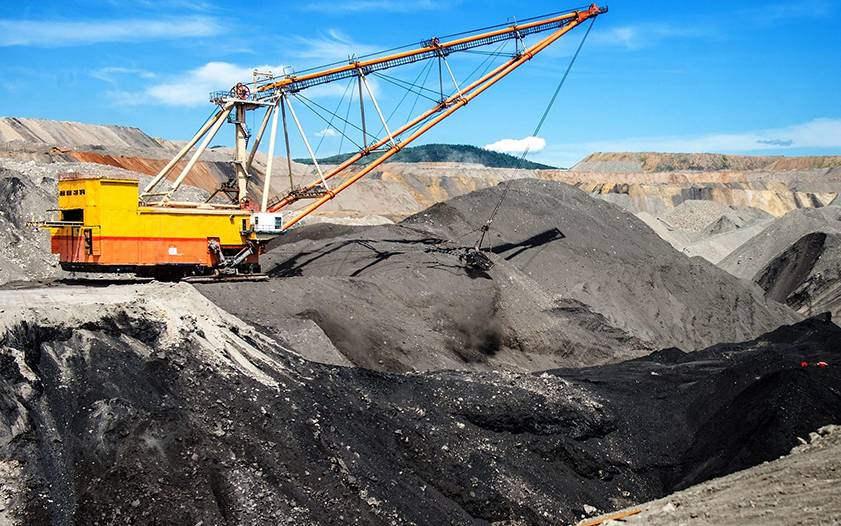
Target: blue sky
(728, 77)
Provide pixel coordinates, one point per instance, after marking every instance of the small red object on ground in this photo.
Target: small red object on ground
(823, 365)
(804, 364)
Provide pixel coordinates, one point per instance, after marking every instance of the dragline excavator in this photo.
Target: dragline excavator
(105, 224)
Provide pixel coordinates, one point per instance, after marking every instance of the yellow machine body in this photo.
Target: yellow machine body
(101, 228)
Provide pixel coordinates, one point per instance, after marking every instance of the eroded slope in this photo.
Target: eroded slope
(150, 405)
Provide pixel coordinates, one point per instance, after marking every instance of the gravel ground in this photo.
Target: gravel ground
(799, 489)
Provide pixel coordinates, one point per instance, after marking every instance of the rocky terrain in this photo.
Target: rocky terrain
(650, 183)
(378, 378)
(801, 488)
(148, 404)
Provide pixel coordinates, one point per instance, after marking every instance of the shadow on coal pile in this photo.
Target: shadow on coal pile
(107, 424)
(403, 297)
(297, 263)
(535, 241)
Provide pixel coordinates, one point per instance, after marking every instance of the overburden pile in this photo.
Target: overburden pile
(121, 416)
(576, 281)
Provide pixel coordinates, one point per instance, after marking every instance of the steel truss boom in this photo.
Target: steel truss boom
(408, 133)
(432, 48)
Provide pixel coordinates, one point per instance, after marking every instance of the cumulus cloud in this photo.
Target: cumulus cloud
(192, 87)
(53, 33)
(518, 146)
(327, 132)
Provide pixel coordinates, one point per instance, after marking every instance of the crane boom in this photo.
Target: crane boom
(433, 116)
(103, 225)
(430, 49)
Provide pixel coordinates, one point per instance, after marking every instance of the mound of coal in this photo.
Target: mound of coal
(755, 254)
(135, 415)
(610, 261)
(806, 276)
(576, 281)
(391, 298)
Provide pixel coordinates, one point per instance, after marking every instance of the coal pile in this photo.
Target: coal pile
(133, 414)
(576, 281)
(610, 261)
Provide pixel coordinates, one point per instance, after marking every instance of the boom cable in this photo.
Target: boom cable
(411, 45)
(330, 124)
(487, 226)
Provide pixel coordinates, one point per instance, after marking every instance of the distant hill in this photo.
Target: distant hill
(445, 153)
(652, 162)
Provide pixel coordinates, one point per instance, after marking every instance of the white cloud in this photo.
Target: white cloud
(111, 74)
(527, 144)
(393, 6)
(331, 47)
(193, 87)
(816, 134)
(327, 132)
(55, 33)
(641, 36)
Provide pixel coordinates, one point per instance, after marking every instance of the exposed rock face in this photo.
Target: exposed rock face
(24, 251)
(652, 183)
(807, 275)
(148, 404)
(750, 258)
(650, 162)
(72, 134)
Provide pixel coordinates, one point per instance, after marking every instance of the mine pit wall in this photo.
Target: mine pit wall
(773, 198)
(398, 190)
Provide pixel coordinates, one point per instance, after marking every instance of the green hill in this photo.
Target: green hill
(445, 153)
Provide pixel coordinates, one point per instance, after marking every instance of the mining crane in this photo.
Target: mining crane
(105, 226)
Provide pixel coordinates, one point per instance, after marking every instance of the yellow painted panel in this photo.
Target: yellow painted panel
(112, 205)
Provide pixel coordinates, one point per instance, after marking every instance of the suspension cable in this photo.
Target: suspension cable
(309, 105)
(404, 97)
(406, 46)
(487, 226)
(330, 124)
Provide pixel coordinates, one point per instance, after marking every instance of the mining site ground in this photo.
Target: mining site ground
(655, 335)
(148, 404)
